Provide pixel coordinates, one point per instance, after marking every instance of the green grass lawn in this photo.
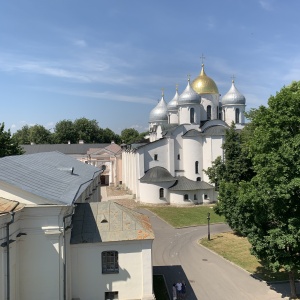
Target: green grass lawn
(186, 216)
(159, 287)
(237, 250)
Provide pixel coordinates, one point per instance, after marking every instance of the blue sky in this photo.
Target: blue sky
(109, 60)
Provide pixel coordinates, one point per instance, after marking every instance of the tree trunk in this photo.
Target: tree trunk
(293, 284)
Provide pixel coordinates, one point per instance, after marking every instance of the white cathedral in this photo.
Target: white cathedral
(185, 137)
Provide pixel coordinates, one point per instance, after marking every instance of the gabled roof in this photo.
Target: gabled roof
(184, 184)
(157, 174)
(108, 222)
(63, 148)
(52, 175)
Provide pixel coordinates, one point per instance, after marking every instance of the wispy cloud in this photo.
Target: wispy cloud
(80, 43)
(266, 4)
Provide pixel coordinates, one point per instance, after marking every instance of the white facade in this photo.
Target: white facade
(170, 169)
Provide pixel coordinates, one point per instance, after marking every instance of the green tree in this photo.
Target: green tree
(38, 134)
(266, 206)
(129, 135)
(64, 131)
(8, 146)
(87, 130)
(22, 136)
(107, 136)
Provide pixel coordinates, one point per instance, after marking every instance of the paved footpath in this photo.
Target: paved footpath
(177, 255)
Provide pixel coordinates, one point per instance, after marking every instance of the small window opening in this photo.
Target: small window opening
(195, 197)
(197, 167)
(155, 157)
(111, 295)
(198, 178)
(161, 193)
(186, 197)
(178, 156)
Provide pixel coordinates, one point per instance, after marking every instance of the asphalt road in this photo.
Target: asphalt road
(177, 255)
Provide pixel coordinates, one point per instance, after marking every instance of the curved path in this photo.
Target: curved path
(177, 256)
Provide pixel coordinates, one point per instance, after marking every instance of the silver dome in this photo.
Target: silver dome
(160, 112)
(172, 105)
(233, 96)
(189, 96)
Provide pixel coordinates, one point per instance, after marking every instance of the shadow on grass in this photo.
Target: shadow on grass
(173, 274)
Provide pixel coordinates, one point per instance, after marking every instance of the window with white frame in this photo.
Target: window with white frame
(110, 262)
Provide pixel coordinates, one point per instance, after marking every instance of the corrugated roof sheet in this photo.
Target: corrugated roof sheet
(48, 175)
(63, 148)
(184, 184)
(108, 222)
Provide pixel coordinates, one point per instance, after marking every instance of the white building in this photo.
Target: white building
(44, 195)
(186, 136)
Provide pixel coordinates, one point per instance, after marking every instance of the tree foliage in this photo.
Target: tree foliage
(8, 146)
(72, 131)
(265, 202)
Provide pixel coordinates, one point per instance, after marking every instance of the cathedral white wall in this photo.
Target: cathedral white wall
(192, 152)
(149, 193)
(159, 148)
(173, 117)
(184, 114)
(212, 148)
(230, 111)
(134, 280)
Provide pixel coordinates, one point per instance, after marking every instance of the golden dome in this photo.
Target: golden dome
(204, 84)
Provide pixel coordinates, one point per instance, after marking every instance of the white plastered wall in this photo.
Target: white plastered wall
(134, 280)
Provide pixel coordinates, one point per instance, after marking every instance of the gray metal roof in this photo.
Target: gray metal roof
(48, 175)
(108, 222)
(184, 184)
(63, 148)
(160, 112)
(157, 174)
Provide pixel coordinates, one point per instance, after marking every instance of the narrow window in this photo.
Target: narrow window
(198, 178)
(111, 295)
(237, 116)
(161, 193)
(155, 157)
(186, 197)
(110, 262)
(197, 167)
(205, 197)
(192, 115)
(195, 197)
(208, 112)
(178, 156)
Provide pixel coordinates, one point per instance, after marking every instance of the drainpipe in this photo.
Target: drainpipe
(65, 250)
(12, 219)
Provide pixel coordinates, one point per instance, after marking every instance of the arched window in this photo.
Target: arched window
(192, 115)
(237, 116)
(110, 262)
(198, 178)
(208, 112)
(186, 197)
(196, 167)
(161, 193)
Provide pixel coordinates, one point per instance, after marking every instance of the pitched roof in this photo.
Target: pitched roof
(108, 222)
(52, 175)
(184, 184)
(63, 148)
